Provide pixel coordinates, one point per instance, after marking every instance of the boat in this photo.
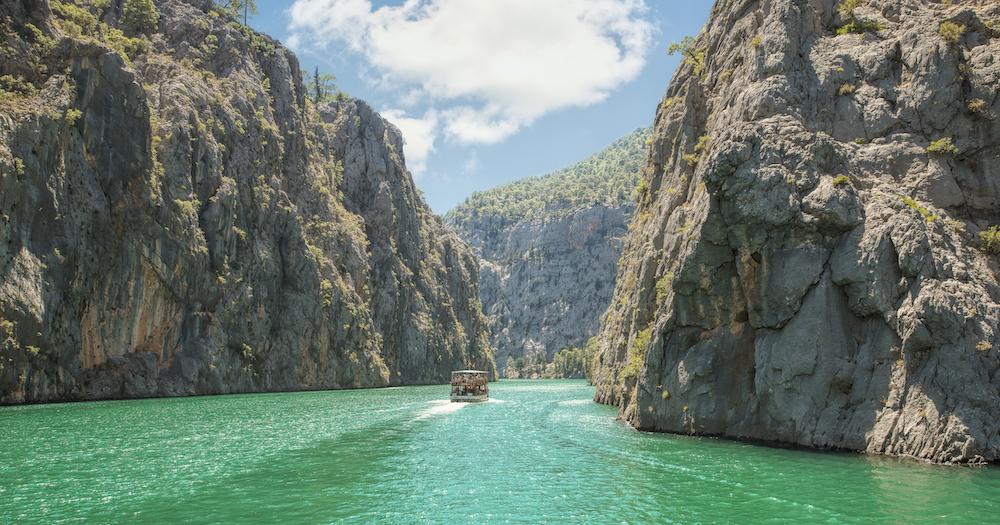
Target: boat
(469, 386)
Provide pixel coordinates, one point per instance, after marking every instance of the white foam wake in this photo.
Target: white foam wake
(439, 408)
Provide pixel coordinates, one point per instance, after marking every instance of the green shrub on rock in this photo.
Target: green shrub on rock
(140, 16)
(852, 23)
(637, 353)
(951, 32)
(663, 286)
(912, 203)
(841, 180)
(994, 26)
(989, 240)
(71, 116)
(80, 20)
(978, 106)
(943, 146)
(859, 27)
(700, 147)
(847, 7)
(15, 85)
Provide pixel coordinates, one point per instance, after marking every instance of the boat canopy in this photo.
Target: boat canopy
(469, 385)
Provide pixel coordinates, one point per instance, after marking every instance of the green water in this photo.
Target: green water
(540, 452)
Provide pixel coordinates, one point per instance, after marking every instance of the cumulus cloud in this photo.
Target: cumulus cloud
(419, 135)
(492, 66)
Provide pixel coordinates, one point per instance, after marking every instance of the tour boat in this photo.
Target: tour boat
(468, 386)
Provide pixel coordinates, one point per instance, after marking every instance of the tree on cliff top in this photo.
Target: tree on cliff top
(323, 87)
(239, 7)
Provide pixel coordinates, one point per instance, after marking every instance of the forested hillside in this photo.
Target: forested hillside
(548, 248)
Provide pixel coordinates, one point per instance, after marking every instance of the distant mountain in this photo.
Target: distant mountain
(548, 249)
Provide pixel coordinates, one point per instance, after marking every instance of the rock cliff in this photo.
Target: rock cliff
(548, 248)
(178, 218)
(812, 261)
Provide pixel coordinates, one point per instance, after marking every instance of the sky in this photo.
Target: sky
(491, 91)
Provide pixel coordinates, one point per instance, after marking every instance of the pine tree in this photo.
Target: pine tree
(323, 87)
(238, 8)
(247, 7)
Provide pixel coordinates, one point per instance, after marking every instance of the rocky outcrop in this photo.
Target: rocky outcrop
(548, 248)
(808, 264)
(424, 278)
(177, 218)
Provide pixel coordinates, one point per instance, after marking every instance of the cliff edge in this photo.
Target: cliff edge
(179, 218)
(813, 259)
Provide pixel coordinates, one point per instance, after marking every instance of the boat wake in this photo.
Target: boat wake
(439, 408)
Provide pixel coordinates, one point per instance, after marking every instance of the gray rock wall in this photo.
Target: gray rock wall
(545, 284)
(802, 269)
(548, 248)
(180, 220)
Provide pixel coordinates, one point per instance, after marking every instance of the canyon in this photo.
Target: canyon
(180, 217)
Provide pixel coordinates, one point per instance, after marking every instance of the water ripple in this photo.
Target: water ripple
(538, 452)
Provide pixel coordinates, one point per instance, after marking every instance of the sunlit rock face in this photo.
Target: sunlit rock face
(805, 265)
(179, 218)
(548, 247)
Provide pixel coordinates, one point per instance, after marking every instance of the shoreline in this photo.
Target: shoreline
(71, 401)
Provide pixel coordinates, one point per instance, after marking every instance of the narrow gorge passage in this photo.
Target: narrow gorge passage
(538, 451)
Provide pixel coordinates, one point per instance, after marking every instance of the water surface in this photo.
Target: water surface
(540, 452)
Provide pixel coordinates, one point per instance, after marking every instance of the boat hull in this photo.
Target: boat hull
(469, 399)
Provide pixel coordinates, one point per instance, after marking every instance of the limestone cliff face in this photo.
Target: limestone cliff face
(806, 266)
(177, 218)
(548, 247)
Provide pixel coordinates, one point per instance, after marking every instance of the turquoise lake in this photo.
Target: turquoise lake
(538, 452)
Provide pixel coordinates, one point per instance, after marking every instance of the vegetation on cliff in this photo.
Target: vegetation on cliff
(568, 363)
(812, 259)
(607, 178)
(548, 248)
(178, 217)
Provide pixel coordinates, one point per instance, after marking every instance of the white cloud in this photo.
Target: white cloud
(488, 125)
(501, 63)
(419, 135)
(411, 98)
(472, 163)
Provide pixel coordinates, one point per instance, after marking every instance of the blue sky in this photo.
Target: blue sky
(490, 91)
